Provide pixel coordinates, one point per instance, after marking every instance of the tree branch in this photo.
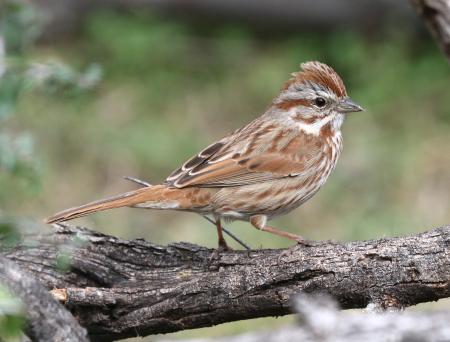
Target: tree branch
(320, 320)
(118, 288)
(47, 320)
(436, 14)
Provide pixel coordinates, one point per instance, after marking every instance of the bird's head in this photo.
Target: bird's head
(315, 95)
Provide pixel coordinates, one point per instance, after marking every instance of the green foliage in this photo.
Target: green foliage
(12, 318)
(63, 261)
(9, 235)
(20, 167)
(18, 29)
(17, 157)
(20, 164)
(19, 26)
(10, 87)
(56, 78)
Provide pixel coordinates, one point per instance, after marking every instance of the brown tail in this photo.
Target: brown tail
(148, 197)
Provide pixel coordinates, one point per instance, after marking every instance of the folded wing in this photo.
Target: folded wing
(233, 162)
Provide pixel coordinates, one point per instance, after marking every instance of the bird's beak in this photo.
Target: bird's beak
(346, 105)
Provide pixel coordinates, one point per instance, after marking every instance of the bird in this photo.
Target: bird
(263, 170)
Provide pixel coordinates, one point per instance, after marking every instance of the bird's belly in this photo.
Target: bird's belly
(273, 198)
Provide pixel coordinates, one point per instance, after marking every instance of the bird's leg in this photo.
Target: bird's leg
(259, 222)
(229, 233)
(222, 243)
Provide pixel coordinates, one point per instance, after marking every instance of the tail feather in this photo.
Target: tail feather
(128, 199)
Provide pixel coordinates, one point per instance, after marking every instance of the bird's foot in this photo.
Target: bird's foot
(303, 242)
(222, 248)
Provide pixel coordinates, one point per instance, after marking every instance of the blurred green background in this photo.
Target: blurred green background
(161, 89)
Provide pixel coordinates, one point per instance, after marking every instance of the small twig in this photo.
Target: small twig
(229, 233)
(138, 181)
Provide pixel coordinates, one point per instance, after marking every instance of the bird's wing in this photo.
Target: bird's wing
(258, 155)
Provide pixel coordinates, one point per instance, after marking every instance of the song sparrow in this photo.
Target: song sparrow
(262, 170)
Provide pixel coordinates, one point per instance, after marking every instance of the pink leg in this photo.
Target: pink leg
(259, 222)
(222, 243)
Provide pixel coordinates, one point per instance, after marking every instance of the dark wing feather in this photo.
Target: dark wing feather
(195, 161)
(210, 154)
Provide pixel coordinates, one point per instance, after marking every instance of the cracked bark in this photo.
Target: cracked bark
(47, 320)
(118, 288)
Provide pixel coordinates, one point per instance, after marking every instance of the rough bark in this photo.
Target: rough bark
(320, 320)
(436, 14)
(118, 288)
(47, 320)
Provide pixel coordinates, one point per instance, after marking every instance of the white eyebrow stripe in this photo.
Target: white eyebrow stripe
(309, 90)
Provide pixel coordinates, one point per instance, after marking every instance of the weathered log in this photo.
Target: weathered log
(118, 288)
(47, 320)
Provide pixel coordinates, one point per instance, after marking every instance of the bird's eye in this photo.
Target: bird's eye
(320, 102)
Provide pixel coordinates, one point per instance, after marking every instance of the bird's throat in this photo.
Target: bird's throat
(327, 125)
